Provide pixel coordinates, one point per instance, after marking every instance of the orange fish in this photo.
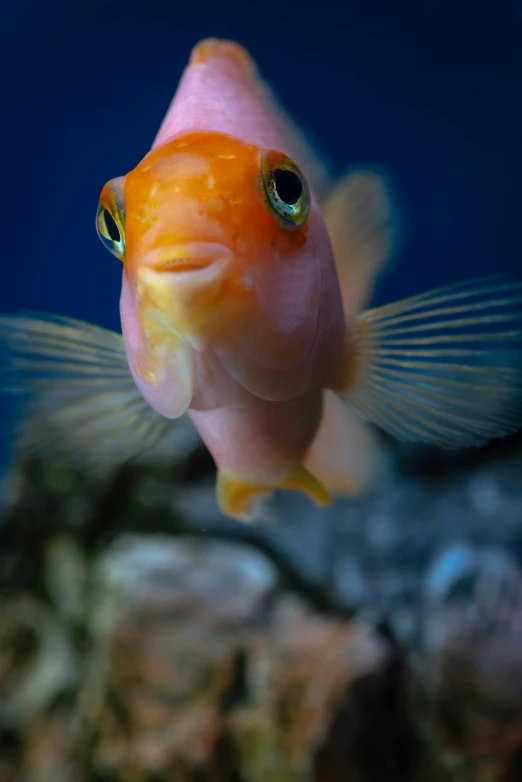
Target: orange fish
(246, 271)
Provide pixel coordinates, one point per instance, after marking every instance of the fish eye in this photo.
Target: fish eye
(110, 219)
(108, 226)
(285, 188)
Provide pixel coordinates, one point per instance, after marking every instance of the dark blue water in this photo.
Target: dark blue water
(431, 91)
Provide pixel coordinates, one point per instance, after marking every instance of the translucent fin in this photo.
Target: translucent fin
(363, 227)
(444, 367)
(79, 398)
(345, 454)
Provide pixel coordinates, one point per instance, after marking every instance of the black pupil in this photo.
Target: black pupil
(288, 186)
(112, 228)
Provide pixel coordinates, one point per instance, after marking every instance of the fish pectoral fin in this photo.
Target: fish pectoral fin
(79, 400)
(444, 367)
(345, 455)
(363, 225)
(240, 499)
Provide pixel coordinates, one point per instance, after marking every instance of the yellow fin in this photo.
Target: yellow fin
(444, 367)
(238, 498)
(302, 480)
(363, 227)
(241, 499)
(79, 399)
(345, 455)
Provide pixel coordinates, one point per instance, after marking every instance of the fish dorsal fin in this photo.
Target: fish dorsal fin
(79, 401)
(362, 222)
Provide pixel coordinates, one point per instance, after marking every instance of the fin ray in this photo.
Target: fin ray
(79, 400)
(463, 390)
(443, 294)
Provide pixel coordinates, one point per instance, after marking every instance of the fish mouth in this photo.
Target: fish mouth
(187, 289)
(185, 256)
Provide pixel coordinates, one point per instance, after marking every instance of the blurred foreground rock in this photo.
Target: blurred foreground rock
(472, 643)
(214, 670)
(199, 666)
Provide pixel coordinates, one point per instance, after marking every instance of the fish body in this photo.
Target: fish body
(246, 270)
(259, 326)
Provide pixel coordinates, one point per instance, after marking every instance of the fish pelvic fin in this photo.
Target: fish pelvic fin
(346, 455)
(301, 479)
(443, 367)
(243, 500)
(363, 225)
(238, 498)
(78, 398)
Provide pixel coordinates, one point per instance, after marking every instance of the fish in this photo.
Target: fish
(247, 274)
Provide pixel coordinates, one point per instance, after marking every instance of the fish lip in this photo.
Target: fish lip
(185, 256)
